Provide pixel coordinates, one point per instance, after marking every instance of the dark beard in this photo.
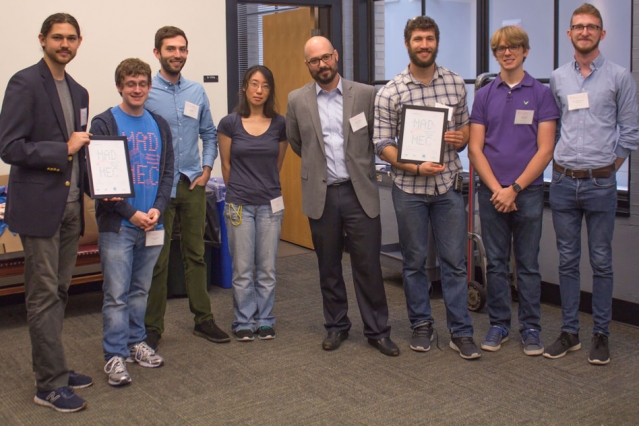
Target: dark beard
(585, 51)
(422, 64)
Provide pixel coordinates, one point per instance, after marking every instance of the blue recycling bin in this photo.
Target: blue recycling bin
(221, 262)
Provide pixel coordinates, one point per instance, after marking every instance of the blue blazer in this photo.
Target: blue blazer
(33, 136)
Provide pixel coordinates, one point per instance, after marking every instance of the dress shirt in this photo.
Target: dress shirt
(331, 113)
(446, 88)
(169, 100)
(594, 137)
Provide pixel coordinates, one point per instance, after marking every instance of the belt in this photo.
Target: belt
(601, 172)
(342, 182)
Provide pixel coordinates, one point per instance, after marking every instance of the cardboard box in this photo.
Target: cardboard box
(9, 242)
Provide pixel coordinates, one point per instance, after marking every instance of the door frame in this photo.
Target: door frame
(232, 51)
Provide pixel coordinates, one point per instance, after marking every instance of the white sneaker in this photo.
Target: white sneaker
(117, 372)
(145, 356)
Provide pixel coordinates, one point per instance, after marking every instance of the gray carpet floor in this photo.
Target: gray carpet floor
(291, 381)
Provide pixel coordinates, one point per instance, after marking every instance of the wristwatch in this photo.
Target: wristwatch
(516, 188)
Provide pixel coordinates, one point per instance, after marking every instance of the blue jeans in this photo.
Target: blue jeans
(253, 246)
(571, 200)
(447, 213)
(523, 228)
(127, 266)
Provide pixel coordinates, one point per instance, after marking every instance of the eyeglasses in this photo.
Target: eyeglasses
(513, 49)
(590, 27)
(254, 85)
(324, 58)
(133, 84)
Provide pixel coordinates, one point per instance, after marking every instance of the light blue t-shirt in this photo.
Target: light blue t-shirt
(145, 146)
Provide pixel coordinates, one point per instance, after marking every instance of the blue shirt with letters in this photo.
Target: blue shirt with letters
(145, 146)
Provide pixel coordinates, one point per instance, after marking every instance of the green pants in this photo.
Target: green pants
(190, 209)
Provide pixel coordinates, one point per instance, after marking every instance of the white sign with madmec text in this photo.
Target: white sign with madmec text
(109, 168)
(422, 134)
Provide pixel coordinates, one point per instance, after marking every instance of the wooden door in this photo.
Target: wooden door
(284, 36)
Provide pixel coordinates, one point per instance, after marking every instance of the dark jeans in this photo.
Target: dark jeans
(571, 200)
(446, 211)
(48, 268)
(523, 228)
(343, 214)
(190, 209)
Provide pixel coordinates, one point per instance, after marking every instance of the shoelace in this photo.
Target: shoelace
(494, 334)
(424, 331)
(599, 340)
(114, 366)
(530, 337)
(144, 351)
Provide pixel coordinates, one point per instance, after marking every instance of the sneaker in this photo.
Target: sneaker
(145, 356)
(62, 399)
(532, 342)
(494, 338)
(153, 338)
(244, 335)
(465, 346)
(599, 353)
(210, 331)
(566, 342)
(421, 338)
(117, 372)
(265, 333)
(79, 381)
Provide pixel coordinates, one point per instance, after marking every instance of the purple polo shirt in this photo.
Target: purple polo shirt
(509, 147)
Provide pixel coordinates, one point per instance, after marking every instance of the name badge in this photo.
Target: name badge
(524, 116)
(155, 238)
(83, 116)
(578, 101)
(358, 122)
(277, 204)
(451, 110)
(191, 110)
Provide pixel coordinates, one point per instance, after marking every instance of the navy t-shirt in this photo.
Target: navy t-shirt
(254, 177)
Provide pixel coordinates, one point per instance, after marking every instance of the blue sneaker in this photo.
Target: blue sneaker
(79, 381)
(63, 400)
(495, 337)
(532, 342)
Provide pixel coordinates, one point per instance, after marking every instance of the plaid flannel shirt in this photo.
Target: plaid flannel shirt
(446, 88)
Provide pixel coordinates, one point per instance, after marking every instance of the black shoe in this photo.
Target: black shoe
(153, 338)
(265, 333)
(566, 342)
(599, 353)
(333, 340)
(385, 346)
(79, 381)
(210, 331)
(465, 346)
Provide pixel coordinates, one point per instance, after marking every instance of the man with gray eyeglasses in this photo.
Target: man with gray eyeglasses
(599, 127)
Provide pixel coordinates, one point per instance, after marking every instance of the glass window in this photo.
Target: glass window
(457, 21)
(617, 20)
(537, 19)
(389, 39)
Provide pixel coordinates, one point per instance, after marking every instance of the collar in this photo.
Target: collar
(167, 83)
(319, 90)
(407, 76)
(595, 65)
(526, 81)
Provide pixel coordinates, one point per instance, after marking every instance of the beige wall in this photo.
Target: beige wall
(115, 30)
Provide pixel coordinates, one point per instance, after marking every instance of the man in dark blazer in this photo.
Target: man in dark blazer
(42, 136)
(329, 124)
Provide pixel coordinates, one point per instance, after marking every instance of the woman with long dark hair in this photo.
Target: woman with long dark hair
(253, 143)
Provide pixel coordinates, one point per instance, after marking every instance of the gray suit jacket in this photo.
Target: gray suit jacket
(304, 132)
